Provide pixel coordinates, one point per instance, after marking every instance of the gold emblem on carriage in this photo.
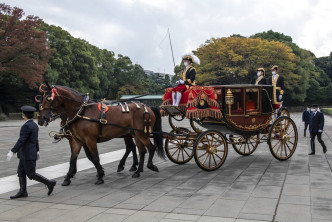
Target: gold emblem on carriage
(253, 120)
(201, 102)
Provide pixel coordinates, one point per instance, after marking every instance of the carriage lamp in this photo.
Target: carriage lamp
(229, 99)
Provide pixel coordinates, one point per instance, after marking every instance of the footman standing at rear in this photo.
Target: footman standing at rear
(27, 149)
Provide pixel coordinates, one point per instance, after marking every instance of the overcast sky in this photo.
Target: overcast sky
(137, 28)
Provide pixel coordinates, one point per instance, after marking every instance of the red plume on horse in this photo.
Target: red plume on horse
(88, 126)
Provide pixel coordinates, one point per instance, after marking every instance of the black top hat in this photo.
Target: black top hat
(315, 105)
(28, 109)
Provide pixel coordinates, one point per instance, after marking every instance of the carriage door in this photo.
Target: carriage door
(252, 107)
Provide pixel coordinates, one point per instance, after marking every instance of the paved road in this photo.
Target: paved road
(253, 188)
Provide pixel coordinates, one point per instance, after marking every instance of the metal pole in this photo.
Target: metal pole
(170, 42)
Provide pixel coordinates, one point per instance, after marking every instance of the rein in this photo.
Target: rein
(79, 115)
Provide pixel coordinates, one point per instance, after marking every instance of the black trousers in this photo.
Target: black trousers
(312, 141)
(305, 128)
(26, 168)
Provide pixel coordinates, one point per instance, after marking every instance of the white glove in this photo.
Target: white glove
(38, 156)
(177, 82)
(181, 82)
(9, 155)
(280, 97)
(320, 131)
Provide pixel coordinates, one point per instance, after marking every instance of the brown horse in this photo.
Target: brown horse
(49, 117)
(128, 139)
(87, 128)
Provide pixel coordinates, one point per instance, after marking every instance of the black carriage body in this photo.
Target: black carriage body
(248, 114)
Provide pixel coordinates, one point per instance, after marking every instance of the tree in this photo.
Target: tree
(313, 71)
(24, 54)
(234, 60)
(23, 50)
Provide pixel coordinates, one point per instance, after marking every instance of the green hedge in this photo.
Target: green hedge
(327, 110)
(19, 116)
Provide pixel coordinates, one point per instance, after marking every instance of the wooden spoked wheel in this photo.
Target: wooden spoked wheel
(283, 138)
(244, 145)
(210, 150)
(179, 151)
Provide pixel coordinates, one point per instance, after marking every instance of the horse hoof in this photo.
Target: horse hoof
(153, 168)
(120, 168)
(99, 181)
(136, 175)
(66, 183)
(133, 168)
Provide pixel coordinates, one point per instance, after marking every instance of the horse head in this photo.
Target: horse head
(55, 101)
(47, 104)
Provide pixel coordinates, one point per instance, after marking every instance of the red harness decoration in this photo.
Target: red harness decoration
(106, 107)
(53, 93)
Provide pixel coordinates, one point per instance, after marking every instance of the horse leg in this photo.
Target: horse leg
(142, 151)
(152, 150)
(135, 160)
(130, 147)
(75, 150)
(88, 154)
(92, 147)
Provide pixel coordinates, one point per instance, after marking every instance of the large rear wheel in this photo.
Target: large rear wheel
(210, 150)
(283, 138)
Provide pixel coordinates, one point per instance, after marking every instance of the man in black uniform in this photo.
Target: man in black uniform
(316, 126)
(260, 77)
(277, 82)
(306, 119)
(27, 149)
(188, 78)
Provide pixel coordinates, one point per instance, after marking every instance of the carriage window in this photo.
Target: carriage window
(252, 99)
(237, 107)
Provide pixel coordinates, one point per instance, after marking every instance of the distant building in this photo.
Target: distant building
(160, 75)
(149, 100)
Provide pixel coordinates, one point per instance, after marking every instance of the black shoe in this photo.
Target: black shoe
(23, 189)
(49, 183)
(312, 153)
(324, 150)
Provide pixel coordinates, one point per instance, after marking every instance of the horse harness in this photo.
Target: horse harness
(65, 130)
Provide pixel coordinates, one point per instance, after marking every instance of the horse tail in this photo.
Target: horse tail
(158, 137)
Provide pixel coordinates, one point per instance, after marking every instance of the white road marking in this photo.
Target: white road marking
(10, 183)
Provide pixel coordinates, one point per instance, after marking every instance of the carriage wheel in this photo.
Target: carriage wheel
(283, 138)
(244, 146)
(179, 151)
(210, 150)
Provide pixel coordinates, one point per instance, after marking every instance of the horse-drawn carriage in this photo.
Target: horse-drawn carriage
(241, 115)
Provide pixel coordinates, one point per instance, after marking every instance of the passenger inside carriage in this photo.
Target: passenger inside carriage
(250, 104)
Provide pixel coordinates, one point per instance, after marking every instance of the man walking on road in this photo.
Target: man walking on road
(27, 149)
(316, 126)
(306, 119)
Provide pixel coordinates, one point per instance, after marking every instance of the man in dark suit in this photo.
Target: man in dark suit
(277, 82)
(316, 126)
(27, 149)
(306, 119)
(260, 77)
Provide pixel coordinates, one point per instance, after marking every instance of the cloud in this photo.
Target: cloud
(136, 28)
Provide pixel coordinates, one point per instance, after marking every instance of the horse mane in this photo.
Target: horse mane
(70, 89)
